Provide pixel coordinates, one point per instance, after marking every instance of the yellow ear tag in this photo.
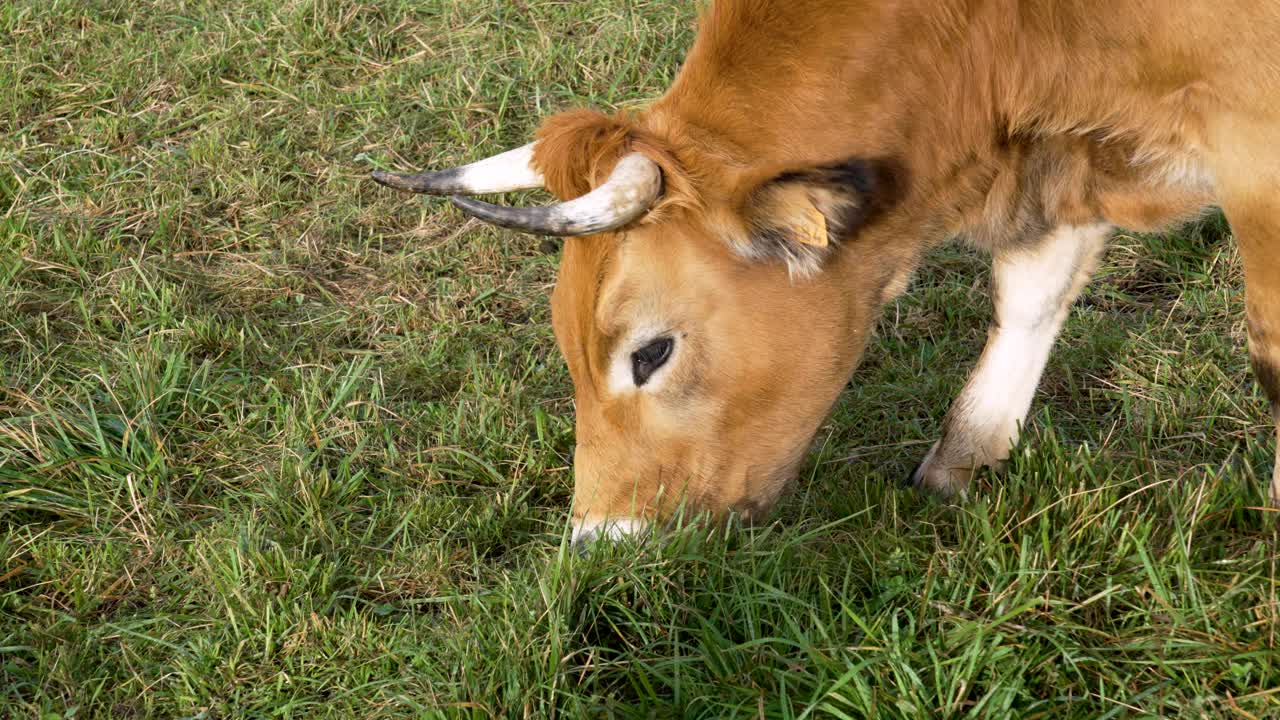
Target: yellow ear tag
(807, 223)
(813, 226)
(795, 207)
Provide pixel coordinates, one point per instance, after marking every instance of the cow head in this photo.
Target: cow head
(710, 311)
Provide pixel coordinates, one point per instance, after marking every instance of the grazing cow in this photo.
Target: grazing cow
(733, 243)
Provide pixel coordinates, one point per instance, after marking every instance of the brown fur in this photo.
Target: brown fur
(1004, 119)
(577, 150)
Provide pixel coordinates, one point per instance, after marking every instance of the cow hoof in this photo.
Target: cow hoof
(910, 479)
(937, 478)
(1273, 497)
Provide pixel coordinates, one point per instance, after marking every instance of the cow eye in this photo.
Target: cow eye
(646, 361)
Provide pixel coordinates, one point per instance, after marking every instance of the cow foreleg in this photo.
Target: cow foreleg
(1260, 252)
(1033, 287)
(1248, 183)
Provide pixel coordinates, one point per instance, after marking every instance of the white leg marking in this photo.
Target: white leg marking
(1034, 288)
(592, 529)
(1274, 496)
(1035, 293)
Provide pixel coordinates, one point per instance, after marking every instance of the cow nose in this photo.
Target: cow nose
(589, 531)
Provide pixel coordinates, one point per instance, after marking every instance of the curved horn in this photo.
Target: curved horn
(512, 170)
(632, 188)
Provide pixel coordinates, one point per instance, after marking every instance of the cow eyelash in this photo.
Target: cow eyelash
(648, 359)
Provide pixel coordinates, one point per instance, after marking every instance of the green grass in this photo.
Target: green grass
(275, 442)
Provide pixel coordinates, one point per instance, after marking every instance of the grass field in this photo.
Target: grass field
(275, 442)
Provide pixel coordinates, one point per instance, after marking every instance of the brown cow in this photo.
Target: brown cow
(736, 240)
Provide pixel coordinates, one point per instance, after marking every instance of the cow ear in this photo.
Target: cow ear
(803, 216)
